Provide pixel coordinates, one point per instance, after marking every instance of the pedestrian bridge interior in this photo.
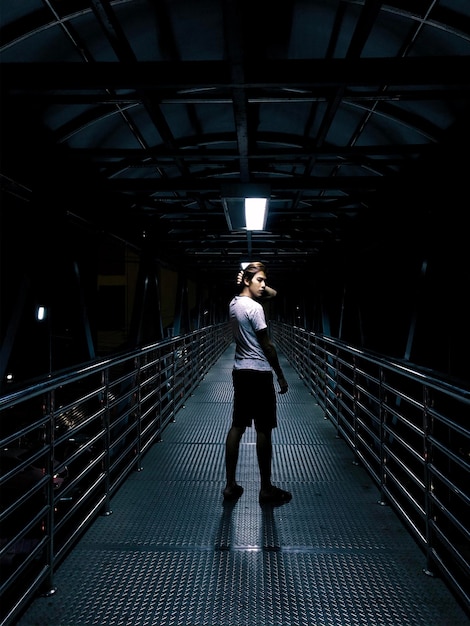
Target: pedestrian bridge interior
(171, 552)
(112, 492)
(131, 133)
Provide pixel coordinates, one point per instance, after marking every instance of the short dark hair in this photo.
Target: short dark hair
(252, 269)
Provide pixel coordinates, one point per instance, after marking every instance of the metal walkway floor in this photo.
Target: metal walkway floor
(172, 554)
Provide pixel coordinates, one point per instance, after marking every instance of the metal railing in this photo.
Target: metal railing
(409, 429)
(69, 441)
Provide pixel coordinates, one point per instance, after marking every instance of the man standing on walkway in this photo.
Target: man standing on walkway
(254, 394)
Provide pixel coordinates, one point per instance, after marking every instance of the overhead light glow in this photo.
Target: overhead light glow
(255, 213)
(245, 205)
(41, 313)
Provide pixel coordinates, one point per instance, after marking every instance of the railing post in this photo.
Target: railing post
(48, 588)
(382, 413)
(138, 414)
(354, 409)
(335, 369)
(174, 372)
(107, 441)
(427, 429)
(160, 378)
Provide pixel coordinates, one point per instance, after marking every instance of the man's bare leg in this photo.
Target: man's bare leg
(232, 448)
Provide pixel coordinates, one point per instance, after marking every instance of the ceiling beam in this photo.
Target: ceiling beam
(155, 185)
(300, 74)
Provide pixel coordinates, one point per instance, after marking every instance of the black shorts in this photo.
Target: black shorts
(254, 399)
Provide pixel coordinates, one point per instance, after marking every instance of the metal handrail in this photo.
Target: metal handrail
(411, 431)
(68, 442)
(81, 432)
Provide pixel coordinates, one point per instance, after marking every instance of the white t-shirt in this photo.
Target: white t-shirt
(247, 317)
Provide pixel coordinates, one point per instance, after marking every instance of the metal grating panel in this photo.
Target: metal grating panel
(173, 554)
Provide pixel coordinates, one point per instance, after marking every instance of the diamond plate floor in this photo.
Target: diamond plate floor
(172, 554)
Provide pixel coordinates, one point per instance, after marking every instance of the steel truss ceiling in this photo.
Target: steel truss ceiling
(149, 107)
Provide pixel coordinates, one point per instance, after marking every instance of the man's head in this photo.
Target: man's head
(253, 268)
(254, 280)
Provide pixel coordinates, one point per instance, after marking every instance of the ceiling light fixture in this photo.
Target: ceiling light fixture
(245, 206)
(256, 213)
